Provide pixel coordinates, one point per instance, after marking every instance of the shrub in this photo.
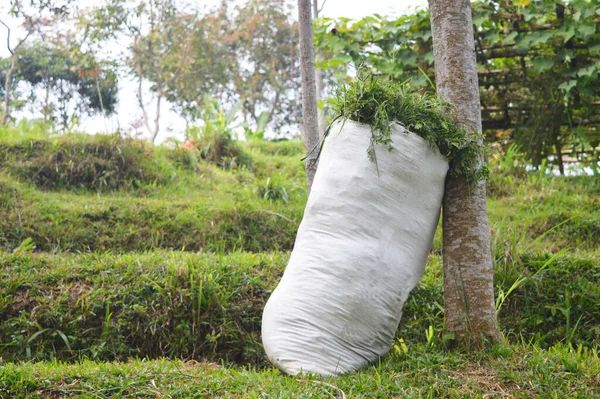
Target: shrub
(273, 189)
(214, 138)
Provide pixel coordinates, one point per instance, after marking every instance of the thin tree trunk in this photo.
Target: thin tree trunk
(309, 96)
(558, 148)
(157, 117)
(13, 66)
(139, 94)
(468, 268)
(7, 89)
(319, 78)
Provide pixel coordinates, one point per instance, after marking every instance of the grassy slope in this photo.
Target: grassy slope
(194, 205)
(188, 203)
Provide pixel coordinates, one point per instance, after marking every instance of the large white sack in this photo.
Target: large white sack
(360, 249)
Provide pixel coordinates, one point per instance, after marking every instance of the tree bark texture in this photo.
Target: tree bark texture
(310, 118)
(468, 267)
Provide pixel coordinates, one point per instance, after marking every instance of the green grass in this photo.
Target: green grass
(115, 277)
(423, 371)
(193, 205)
(208, 306)
(104, 306)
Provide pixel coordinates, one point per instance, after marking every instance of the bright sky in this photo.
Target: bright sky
(171, 124)
(358, 9)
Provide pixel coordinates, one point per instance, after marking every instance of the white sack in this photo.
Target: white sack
(360, 249)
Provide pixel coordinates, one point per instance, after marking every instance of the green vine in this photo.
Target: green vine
(380, 102)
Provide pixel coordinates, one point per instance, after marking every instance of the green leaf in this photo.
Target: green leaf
(540, 37)
(523, 41)
(567, 86)
(511, 36)
(542, 64)
(492, 37)
(586, 29)
(589, 71)
(594, 47)
(529, 15)
(428, 57)
(567, 31)
(480, 16)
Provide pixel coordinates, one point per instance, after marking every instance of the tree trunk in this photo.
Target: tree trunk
(156, 126)
(319, 78)
(309, 91)
(7, 89)
(558, 148)
(13, 66)
(468, 268)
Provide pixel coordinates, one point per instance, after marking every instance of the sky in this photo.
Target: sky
(358, 9)
(128, 113)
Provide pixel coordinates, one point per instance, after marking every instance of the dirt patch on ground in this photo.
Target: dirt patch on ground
(485, 377)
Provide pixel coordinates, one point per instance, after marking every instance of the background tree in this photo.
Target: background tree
(310, 118)
(522, 47)
(155, 56)
(205, 60)
(265, 40)
(8, 76)
(246, 53)
(469, 309)
(35, 15)
(63, 85)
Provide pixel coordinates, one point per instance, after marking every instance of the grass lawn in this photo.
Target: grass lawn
(421, 371)
(149, 282)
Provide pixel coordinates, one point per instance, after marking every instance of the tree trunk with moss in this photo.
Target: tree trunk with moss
(310, 118)
(468, 267)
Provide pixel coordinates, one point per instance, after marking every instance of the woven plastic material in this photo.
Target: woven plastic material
(360, 249)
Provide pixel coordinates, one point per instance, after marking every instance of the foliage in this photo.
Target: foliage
(214, 138)
(65, 85)
(244, 53)
(526, 51)
(379, 102)
(273, 189)
(268, 77)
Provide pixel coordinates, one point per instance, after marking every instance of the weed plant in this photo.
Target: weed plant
(214, 137)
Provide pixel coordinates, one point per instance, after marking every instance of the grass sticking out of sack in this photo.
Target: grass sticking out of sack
(379, 102)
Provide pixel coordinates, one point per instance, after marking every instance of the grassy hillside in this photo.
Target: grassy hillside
(112, 250)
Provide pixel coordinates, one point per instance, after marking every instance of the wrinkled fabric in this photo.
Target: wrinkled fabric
(360, 249)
